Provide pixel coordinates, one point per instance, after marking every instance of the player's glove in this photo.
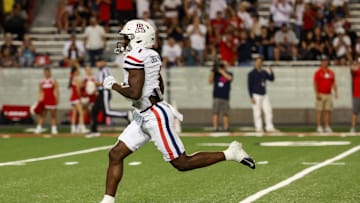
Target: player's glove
(109, 82)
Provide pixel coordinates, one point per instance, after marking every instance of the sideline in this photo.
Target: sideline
(299, 175)
(55, 156)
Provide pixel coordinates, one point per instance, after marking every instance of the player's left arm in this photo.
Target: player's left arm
(56, 91)
(136, 82)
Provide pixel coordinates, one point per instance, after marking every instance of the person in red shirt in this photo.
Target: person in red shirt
(324, 83)
(219, 22)
(228, 49)
(124, 9)
(104, 13)
(76, 107)
(355, 75)
(49, 96)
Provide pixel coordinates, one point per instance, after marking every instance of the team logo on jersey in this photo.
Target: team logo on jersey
(140, 28)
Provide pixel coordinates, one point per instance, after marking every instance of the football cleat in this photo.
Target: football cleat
(235, 152)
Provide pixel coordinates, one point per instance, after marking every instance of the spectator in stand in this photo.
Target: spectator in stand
(308, 49)
(171, 53)
(352, 34)
(146, 17)
(141, 7)
(320, 43)
(330, 13)
(8, 60)
(281, 11)
(175, 30)
(219, 23)
(197, 34)
(244, 49)
(244, 16)
(298, 15)
(257, 23)
(341, 7)
(73, 52)
(215, 6)
(124, 10)
(324, 84)
(355, 75)
(308, 19)
(16, 22)
(27, 52)
(9, 44)
(104, 13)
(329, 36)
(253, 6)
(82, 13)
(171, 8)
(228, 48)
(192, 8)
(188, 54)
(94, 40)
(265, 44)
(342, 46)
(62, 17)
(233, 20)
(221, 79)
(286, 44)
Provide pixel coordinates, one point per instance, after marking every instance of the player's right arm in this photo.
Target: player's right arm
(135, 84)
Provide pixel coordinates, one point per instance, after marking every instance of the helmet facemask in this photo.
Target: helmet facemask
(124, 44)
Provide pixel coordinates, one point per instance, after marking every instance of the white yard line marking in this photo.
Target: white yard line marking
(135, 163)
(55, 156)
(298, 176)
(69, 163)
(313, 163)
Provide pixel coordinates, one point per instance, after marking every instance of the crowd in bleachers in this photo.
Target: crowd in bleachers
(191, 32)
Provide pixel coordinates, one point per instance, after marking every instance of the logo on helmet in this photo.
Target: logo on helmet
(140, 28)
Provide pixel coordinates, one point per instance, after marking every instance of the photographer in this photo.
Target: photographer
(221, 78)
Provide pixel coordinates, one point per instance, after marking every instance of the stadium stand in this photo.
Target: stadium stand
(48, 40)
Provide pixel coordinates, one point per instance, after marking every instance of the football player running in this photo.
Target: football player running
(153, 117)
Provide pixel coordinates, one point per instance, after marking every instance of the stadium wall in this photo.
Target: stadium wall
(291, 94)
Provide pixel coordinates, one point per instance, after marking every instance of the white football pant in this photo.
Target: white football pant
(158, 125)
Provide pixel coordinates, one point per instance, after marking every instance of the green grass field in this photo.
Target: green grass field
(157, 181)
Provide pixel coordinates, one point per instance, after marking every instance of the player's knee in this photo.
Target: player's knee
(117, 153)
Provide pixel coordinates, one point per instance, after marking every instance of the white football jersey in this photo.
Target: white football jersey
(150, 61)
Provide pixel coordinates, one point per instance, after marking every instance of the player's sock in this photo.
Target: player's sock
(108, 199)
